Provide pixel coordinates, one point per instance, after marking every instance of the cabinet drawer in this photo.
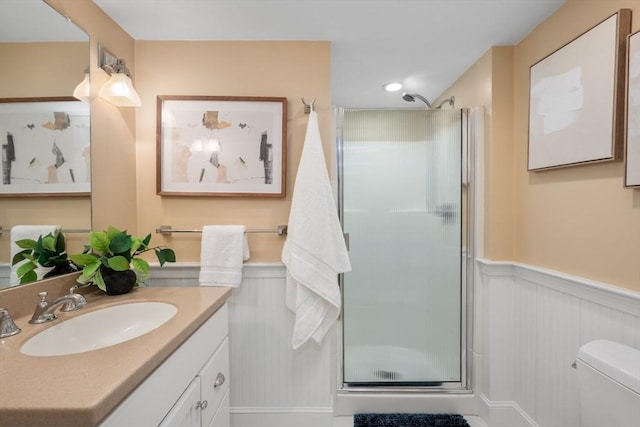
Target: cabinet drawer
(214, 381)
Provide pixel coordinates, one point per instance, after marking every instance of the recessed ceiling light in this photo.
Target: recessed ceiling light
(392, 86)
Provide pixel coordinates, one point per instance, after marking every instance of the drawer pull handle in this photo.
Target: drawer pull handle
(202, 404)
(219, 380)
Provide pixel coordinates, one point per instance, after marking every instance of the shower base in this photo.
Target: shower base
(384, 380)
(395, 366)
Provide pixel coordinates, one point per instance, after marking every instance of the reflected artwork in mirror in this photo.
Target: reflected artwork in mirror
(44, 57)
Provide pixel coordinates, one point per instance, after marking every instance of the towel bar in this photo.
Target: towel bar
(166, 230)
(64, 230)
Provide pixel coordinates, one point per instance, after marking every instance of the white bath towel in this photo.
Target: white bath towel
(222, 252)
(20, 232)
(314, 252)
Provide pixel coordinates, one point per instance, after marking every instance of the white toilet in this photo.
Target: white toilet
(609, 384)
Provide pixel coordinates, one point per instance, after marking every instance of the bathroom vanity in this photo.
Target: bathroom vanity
(176, 374)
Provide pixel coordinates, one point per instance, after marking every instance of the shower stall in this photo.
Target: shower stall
(405, 203)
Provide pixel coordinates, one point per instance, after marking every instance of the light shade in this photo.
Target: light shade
(83, 90)
(119, 91)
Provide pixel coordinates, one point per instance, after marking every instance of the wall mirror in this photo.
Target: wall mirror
(43, 56)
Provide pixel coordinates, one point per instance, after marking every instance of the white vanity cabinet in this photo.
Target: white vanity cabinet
(202, 402)
(191, 388)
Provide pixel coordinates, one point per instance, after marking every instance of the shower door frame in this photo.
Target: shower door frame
(467, 260)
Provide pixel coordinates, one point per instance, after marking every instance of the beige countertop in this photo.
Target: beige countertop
(81, 389)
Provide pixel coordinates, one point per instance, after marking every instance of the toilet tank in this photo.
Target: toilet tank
(608, 384)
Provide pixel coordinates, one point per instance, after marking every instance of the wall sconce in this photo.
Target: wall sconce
(83, 90)
(118, 90)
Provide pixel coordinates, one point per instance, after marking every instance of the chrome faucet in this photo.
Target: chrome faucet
(7, 325)
(45, 312)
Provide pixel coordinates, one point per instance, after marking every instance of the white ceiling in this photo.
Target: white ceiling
(35, 21)
(426, 44)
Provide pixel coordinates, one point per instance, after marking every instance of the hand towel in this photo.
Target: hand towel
(223, 249)
(19, 232)
(314, 252)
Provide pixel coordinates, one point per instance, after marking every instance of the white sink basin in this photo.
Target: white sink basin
(99, 329)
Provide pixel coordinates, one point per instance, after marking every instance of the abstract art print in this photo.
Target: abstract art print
(46, 147)
(221, 146)
(576, 98)
(632, 166)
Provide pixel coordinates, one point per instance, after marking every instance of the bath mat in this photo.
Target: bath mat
(409, 420)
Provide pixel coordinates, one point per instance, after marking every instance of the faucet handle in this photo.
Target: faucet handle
(43, 303)
(7, 325)
(75, 302)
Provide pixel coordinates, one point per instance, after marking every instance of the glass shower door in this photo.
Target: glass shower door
(401, 197)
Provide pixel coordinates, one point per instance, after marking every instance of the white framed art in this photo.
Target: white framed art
(632, 157)
(576, 98)
(46, 147)
(221, 146)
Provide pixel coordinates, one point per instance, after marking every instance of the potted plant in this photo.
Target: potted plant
(48, 251)
(111, 260)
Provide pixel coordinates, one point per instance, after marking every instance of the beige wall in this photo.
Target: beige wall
(36, 69)
(488, 83)
(577, 220)
(269, 69)
(123, 140)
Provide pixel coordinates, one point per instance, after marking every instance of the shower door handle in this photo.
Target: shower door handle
(346, 240)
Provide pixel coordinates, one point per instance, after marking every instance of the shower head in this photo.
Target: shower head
(411, 97)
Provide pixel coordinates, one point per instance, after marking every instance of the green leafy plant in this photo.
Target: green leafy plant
(48, 251)
(116, 250)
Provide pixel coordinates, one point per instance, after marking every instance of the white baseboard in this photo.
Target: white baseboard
(504, 414)
(281, 417)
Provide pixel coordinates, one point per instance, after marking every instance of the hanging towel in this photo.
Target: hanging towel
(19, 232)
(314, 252)
(223, 249)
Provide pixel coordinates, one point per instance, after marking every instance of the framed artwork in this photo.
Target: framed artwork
(576, 98)
(221, 146)
(46, 147)
(632, 164)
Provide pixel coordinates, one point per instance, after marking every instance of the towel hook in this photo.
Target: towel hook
(308, 108)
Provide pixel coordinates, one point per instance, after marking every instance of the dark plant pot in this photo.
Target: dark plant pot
(59, 270)
(118, 282)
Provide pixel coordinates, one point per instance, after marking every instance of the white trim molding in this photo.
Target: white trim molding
(281, 417)
(601, 293)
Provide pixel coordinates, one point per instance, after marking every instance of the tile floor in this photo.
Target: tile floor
(348, 421)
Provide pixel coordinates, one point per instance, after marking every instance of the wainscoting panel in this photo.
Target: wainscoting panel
(534, 322)
(271, 385)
